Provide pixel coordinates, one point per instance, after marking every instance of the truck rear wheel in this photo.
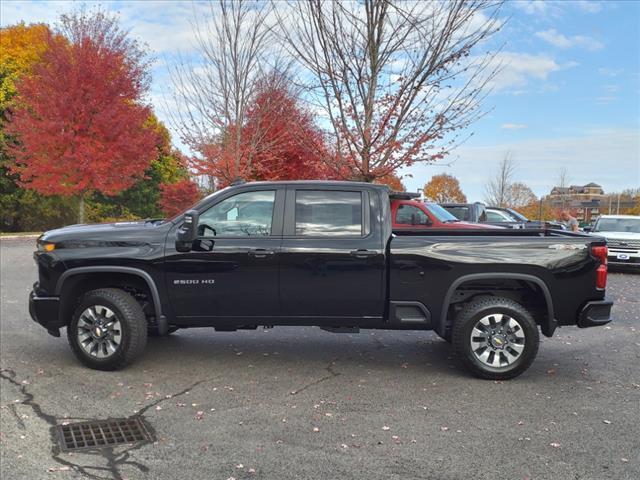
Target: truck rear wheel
(108, 329)
(495, 338)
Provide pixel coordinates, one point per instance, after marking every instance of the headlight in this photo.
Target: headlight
(46, 246)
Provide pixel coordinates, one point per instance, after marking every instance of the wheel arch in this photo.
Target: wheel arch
(548, 324)
(109, 276)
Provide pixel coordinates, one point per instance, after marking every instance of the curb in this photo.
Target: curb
(14, 237)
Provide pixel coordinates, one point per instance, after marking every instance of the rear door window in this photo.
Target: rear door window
(328, 213)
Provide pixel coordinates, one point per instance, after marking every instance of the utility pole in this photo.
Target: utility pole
(540, 210)
(618, 207)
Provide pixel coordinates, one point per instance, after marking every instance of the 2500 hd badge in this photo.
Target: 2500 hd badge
(195, 282)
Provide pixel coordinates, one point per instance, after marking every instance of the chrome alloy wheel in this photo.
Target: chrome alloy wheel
(99, 331)
(497, 340)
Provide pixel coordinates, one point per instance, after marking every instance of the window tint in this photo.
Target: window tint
(440, 213)
(244, 214)
(404, 213)
(495, 217)
(461, 213)
(328, 213)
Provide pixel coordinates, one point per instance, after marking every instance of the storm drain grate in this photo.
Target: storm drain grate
(101, 433)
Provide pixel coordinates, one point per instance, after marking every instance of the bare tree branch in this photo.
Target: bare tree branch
(214, 92)
(397, 80)
(498, 190)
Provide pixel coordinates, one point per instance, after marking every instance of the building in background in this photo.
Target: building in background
(588, 202)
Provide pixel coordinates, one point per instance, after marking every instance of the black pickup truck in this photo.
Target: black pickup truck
(315, 253)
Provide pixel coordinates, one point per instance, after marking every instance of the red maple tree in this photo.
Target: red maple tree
(80, 119)
(279, 141)
(176, 197)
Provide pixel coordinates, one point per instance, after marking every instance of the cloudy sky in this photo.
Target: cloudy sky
(568, 95)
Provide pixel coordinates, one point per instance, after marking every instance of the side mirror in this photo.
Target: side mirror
(587, 229)
(187, 233)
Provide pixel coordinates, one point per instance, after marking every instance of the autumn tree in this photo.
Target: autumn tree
(176, 197)
(397, 81)
(539, 209)
(279, 140)
(393, 181)
(216, 91)
(519, 195)
(21, 47)
(144, 199)
(444, 188)
(81, 118)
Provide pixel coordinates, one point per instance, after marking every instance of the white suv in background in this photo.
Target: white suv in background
(623, 238)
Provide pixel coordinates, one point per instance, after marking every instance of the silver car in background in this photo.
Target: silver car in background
(623, 238)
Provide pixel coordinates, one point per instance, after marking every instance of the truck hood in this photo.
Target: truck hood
(138, 231)
(618, 235)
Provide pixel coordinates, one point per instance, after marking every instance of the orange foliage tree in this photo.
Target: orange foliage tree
(81, 120)
(393, 181)
(444, 188)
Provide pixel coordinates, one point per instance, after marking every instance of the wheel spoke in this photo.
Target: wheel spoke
(495, 361)
(516, 347)
(485, 322)
(484, 356)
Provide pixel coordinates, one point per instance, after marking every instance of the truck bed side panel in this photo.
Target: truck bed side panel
(423, 268)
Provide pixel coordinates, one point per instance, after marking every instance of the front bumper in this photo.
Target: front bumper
(44, 310)
(595, 314)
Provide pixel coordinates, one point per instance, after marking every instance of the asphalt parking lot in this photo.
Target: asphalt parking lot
(297, 403)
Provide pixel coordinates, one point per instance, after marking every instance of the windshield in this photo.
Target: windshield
(459, 212)
(196, 205)
(631, 225)
(440, 213)
(518, 216)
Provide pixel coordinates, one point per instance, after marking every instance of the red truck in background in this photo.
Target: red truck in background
(409, 213)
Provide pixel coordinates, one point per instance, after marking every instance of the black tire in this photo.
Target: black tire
(132, 332)
(153, 331)
(485, 308)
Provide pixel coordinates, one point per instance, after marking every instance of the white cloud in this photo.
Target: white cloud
(610, 72)
(538, 7)
(561, 41)
(517, 69)
(588, 6)
(538, 161)
(514, 126)
(606, 99)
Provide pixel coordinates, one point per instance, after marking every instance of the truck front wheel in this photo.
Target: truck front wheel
(495, 338)
(108, 329)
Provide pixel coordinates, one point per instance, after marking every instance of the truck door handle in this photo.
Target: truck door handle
(261, 252)
(363, 253)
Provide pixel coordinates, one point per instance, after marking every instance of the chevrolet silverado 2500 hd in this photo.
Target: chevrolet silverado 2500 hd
(315, 253)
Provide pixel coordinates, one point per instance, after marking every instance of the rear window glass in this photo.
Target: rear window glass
(461, 213)
(328, 213)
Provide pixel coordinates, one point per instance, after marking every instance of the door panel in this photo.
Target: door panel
(331, 267)
(234, 273)
(230, 280)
